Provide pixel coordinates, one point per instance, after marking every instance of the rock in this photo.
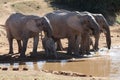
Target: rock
(15, 69)
(4, 69)
(25, 69)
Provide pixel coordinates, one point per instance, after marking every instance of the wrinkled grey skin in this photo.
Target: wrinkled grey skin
(104, 27)
(72, 26)
(22, 27)
(49, 46)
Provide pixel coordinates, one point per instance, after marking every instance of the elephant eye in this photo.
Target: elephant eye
(40, 24)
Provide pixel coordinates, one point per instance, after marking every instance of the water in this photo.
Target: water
(106, 63)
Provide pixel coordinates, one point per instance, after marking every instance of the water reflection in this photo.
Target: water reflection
(104, 64)
(30, 65)
(41, 64)
(95, 67)
(63, 62)
(98, 66)
(22, 65)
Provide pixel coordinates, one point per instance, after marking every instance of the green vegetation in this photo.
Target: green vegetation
(109, 8)
(118, 19)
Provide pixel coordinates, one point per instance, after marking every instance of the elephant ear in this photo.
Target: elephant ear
(31, 25)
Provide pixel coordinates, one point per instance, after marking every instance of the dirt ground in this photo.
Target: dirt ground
(41, 75)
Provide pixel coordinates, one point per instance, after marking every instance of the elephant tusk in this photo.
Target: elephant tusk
(48, 22)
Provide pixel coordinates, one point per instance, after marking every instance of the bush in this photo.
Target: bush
(109, 8)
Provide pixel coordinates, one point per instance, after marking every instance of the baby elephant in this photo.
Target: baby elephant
(49, 46)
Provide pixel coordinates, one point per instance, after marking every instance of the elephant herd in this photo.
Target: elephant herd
(77, 27)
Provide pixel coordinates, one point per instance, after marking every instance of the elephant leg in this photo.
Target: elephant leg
(96, 42)
(53, 53)
(25, 41)
(69, 50)
(35, 44)
(19, 46)
(76, 46)
(45, 46)
(91, 43)
(47, 52)
(71, 43)
(53, 50)
(59, 45)
(10, 40)
(83, 44)
(87, 45)
(81, 47)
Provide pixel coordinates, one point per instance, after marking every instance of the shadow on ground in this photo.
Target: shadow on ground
(37, 57)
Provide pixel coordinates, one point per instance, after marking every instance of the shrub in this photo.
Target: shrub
(109, 8)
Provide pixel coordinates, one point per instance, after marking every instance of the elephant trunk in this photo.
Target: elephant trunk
(47, 28)
(108, 37)
(48, 31)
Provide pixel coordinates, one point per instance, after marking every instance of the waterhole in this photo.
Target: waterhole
(105, 63)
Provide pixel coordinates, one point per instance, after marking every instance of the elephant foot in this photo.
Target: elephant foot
(81, 53)
(96, 49)
(69, 54)
(59, 49)
(56, 56)
(50, 57)
(77, 55)
(22, 56)
(11, 52)
(88, 53)
(33, 54)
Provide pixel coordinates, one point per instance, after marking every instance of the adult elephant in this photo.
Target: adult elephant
(104, 27)
(72, 25)
(22, 27)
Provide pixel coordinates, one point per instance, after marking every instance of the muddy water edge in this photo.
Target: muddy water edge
(105, 63)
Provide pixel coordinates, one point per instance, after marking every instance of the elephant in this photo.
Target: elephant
(72, 26)
(49, 46)
(104, 27)
(22, 27)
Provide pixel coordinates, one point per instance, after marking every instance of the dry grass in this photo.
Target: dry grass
(27, 7)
